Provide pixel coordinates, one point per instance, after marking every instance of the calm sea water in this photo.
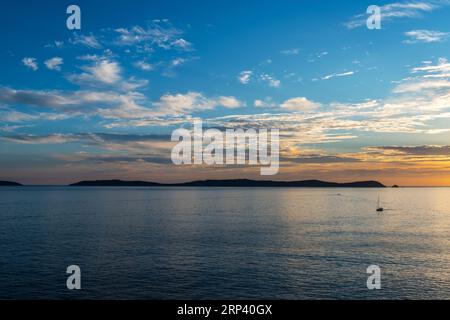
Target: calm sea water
(206, 243)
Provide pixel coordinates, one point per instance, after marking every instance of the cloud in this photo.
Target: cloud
(177, 62)
(424, 150)
(101, 152)
(63, 102)
(266, 103)
(296, 128)
(108, 158)
(291, 52)
(91, 57)
(273, 82)
(103, 72)
(245, 77)
(130, 106)
(190, 102)
(428, 70)
(32, 98)
(183, 103)
(133, 84)
(344, 74)
(144, 65)
(123, 109)
(8, 115)
(54, 63)
(110, 140)
(418, 86)
(137, 41)
(56, 44)
(259, 103)
(396, 10)
(89, 41)
(229, 102)
(158, 33)
(149, 148)
(44, 139)
(299, 104)
(410, 110)
(426, 91)
(30, 63)
(416, 103)
(425, 36)
(182, 44)
(318, 55)
(320, 159)
(135, 152)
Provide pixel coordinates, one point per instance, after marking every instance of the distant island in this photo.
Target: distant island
(115, 183)
(236, 183)
(9, 184)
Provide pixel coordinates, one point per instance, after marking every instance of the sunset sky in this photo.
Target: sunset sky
(101, 102)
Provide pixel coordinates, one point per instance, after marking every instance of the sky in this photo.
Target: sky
(351, 103)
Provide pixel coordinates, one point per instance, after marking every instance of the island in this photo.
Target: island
(9, 184)
(115, 183)
(235, 183)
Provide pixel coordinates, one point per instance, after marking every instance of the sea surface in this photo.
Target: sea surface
(219, 243)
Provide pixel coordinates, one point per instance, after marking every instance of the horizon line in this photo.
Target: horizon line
(163, 184)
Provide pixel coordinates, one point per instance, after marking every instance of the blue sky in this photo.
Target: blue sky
(103, 99)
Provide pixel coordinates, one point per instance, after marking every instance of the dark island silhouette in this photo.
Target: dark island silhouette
(236, 183)
(9, 184)
(115, 183)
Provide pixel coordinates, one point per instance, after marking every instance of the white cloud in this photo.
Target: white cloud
(442, 67)
(245, 77)
(178, 62)
(9, 115)
(104, 72)
(127, 107)
(182, 44)
(299, 104)
(122, 109)
(392, 11)
(56, 44)
(144, 65)
(90, 57)
(344, 74)
(426, 36)
(54, 63)
(158, 33)
(421, 86)
(89, 41)
(429, 71)
(190, 102)
(273, 82)
(259, 103)
(30, 63)
(415, 104)
(291, 52)
(133, 83)
(229, 102)
(266, 103)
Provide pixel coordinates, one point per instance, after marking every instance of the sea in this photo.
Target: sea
(224, 243)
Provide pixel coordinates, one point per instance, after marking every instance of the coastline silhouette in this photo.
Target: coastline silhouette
(235, 183)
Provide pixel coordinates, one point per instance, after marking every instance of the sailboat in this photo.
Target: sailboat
(379, 207)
